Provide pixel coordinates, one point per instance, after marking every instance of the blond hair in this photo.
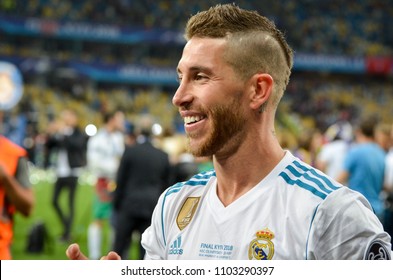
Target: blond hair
(255, 45)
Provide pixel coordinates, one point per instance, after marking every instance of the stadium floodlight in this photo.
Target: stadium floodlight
(91, 130)
(156, 129)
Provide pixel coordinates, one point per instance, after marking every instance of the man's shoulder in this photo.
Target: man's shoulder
(304, 178)
(342, 201)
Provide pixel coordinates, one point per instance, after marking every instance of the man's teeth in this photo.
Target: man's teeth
(188, 120)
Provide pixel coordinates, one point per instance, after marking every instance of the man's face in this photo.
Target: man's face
(209, 98)
(119, 121)
(69, 118)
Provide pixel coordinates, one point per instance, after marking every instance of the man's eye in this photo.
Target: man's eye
(199, 77)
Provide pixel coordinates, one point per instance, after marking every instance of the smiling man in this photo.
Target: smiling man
(259, 202)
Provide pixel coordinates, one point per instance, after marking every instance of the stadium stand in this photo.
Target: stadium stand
(93, 55)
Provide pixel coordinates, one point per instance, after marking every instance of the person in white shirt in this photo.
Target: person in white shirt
(388, 186)
(331, 157)
(260, 202)
(388, 179)
(104, 151)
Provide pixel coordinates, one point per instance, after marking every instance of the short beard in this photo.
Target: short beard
(228, 124)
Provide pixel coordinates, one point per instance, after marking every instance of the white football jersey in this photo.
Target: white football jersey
(296, 212)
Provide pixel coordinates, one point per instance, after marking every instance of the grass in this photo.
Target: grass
(43, 181)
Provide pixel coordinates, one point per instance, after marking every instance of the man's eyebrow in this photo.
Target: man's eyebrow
(196, 69)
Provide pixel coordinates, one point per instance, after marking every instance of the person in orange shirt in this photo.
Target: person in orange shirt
(15, 191)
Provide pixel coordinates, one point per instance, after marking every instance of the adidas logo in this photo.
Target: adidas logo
(175, 248)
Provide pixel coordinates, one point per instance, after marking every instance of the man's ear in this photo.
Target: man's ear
(261, 89)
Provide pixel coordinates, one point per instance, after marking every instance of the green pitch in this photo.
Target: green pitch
(43, 181)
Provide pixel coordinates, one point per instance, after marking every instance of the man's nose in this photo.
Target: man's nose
(182, 95)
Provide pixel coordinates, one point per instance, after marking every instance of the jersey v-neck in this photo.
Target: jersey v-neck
(222, 213)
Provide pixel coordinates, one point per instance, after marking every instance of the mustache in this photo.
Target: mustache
(199, 109)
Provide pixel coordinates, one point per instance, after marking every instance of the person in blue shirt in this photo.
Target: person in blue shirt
(364, 166)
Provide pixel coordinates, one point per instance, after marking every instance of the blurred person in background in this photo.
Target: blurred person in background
(331, 157)
(104, 151)
(388, 185)
(383, 136)
(16, 193)
(303, 149)
(364, 165)
(66, 143)
(130, 134)
(309, 143)
(184, 167)
(144, 173)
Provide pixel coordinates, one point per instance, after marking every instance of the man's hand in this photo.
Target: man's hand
(112, 256)
(74, 253)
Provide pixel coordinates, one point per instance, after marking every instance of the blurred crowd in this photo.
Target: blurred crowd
(312, 102)
(357, 28)
(352, 28)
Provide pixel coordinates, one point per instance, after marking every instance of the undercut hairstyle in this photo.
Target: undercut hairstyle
(254, 46)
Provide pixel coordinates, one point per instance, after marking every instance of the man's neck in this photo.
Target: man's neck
(242, 172)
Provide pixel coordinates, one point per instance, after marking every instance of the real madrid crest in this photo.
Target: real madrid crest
(187, 212)
(262, 247)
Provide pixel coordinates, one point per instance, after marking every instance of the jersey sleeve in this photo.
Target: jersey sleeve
(153, 238)
(345, 227)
